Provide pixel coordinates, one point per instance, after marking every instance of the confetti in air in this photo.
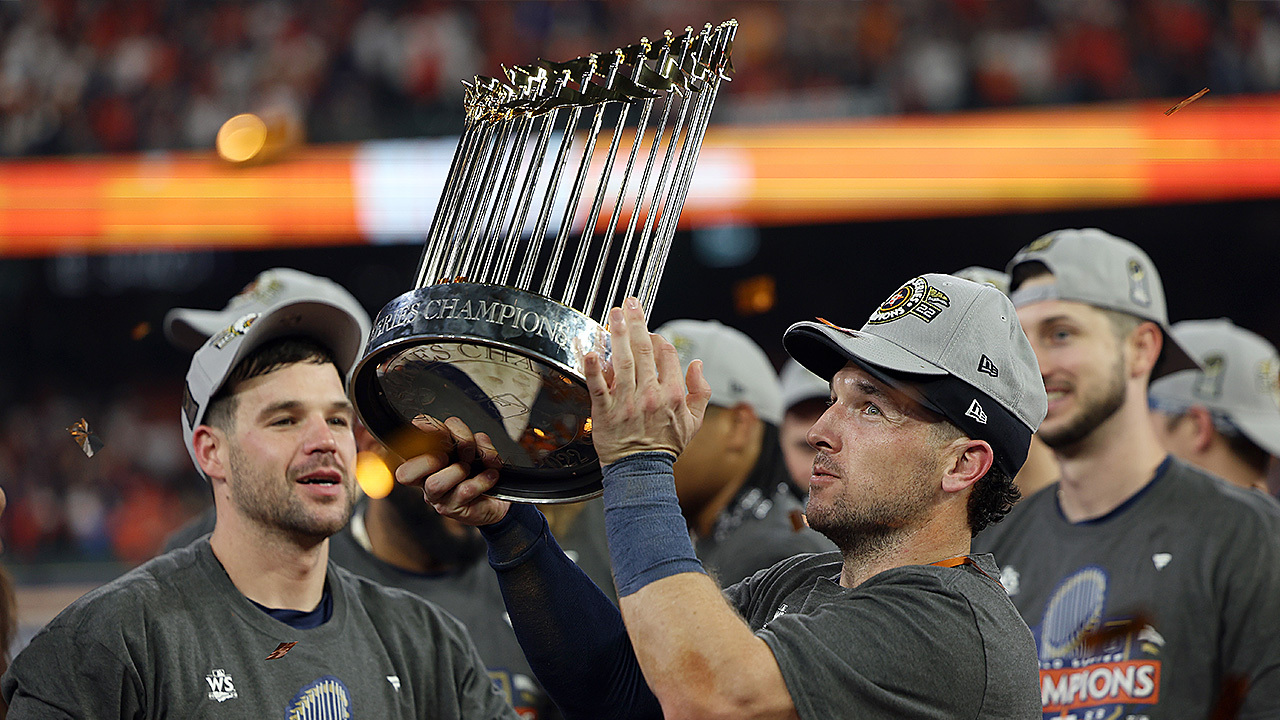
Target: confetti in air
(1186, 102)
(89, 442)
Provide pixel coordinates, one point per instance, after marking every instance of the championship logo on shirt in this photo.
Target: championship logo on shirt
(1092, 666)
(325, 698)
(917, 297)
(221, 687)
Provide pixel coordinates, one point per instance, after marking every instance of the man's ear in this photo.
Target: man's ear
(968, 461)
(1144, 344)
(742, 426)
(210, 445)
(1202, 422)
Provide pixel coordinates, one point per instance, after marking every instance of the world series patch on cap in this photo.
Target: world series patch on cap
(955, 341)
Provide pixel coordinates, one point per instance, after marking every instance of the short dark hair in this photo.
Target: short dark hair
(269, 357)
(994, 494)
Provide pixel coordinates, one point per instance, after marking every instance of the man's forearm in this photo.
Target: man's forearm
(697, 654)
(570, 632)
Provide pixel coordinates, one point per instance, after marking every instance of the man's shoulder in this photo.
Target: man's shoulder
(387, 602)
(1196, 491)
(154, 584)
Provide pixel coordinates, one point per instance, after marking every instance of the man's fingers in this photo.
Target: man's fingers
(699, 391)
(624, 365)
(486, 452)
(463, 437)
(646, 372)
(597, 383)
(415, 470)
(667, 359)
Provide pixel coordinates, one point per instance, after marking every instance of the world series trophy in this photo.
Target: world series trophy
(539, 231)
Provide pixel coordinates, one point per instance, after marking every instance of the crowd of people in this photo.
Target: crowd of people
(87, 76)
(118, 505)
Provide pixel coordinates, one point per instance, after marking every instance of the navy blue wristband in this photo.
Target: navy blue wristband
(648, 537)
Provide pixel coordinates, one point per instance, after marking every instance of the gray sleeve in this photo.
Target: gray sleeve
(63, 674)
(1248, 581)
(876, 654)
(477, 695)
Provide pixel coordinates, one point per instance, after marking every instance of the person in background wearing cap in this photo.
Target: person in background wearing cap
(1224, 419)
(396, 540)
(254, 621)
(933, 405)
(1152, 588)
(732, 478)
(1041, 467)
(804, 399)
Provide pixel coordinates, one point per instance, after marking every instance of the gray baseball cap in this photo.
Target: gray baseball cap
(1240, 380)
(955, 341)
(798, 385)
(1099, 269)
(329, 324)
(188, 328)
(985, 275)
(734, 365)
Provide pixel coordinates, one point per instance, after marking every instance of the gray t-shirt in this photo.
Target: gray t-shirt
(920, 641)
(473, 597)
(175, 639)
(1180, 586)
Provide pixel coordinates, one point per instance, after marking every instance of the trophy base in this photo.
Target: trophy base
(506, 362)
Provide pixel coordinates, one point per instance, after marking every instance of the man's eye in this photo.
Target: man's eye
(282, 421)
(339, 421)
(871, 409)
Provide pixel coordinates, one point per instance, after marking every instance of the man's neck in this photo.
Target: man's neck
(1218, 459)
(1109, 466)
(921, 546)
(269, 569)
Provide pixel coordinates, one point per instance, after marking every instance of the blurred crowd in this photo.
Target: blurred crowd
(95, 76)
(118, 505)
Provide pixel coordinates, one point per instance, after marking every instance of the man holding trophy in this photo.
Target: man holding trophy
(915, 454)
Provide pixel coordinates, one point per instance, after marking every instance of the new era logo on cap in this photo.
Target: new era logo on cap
(986, 366)
(975, 411)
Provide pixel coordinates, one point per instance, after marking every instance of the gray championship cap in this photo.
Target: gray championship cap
(187, 328)
(1099, 269)
(799, 385)
(985, 276)
(330, 324)
(736, 367)
(958, 343)
(1240, 380)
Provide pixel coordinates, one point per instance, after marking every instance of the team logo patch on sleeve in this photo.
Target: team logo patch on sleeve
(917, 297)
